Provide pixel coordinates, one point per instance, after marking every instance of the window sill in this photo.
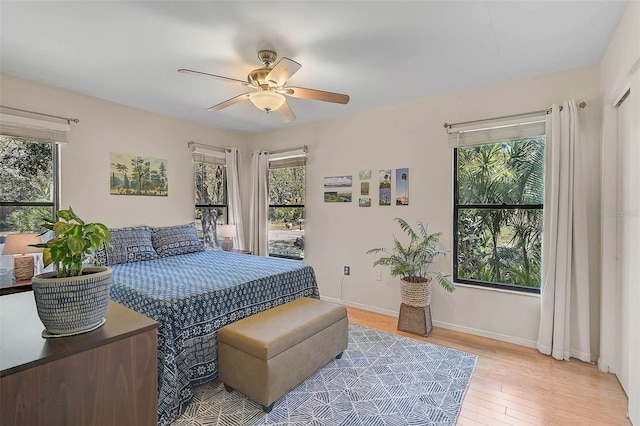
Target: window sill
(500, 290)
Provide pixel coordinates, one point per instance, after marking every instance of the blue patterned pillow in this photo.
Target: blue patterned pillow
(172, 240)
(127, 245)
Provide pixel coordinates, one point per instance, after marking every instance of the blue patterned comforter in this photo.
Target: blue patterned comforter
(192, 296)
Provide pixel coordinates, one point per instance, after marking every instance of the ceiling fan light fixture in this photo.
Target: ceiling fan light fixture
(268, 86)
(267, 100)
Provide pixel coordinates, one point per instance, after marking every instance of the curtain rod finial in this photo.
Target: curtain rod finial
(447, 125)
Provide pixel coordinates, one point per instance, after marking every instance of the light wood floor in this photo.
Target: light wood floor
(516, 385)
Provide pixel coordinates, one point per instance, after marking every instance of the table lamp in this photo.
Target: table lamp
(19, 246)
(227, 231)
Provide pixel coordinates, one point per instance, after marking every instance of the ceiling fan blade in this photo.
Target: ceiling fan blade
(317, 95)
(286, 112)
(282, 71)
(229, 102)
(219, 77)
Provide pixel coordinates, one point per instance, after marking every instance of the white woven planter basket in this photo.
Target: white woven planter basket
(416, 294)
(72, 305)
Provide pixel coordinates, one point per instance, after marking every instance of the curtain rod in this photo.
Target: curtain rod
(215, 148)
(67, 119)
(278, 151)
(582, 104)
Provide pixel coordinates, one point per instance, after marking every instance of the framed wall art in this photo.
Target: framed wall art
(385, 187)
(365, 174)
(137, 175)
(338, 181)
(402, 187)
(338, 197)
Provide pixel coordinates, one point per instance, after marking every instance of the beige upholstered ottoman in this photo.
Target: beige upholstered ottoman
(267, 354)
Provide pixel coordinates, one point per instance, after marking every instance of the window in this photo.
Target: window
(210, 199)
(498, 212)
(28, 184)
(286, 207)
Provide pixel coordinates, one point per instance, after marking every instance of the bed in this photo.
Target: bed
(192, 296)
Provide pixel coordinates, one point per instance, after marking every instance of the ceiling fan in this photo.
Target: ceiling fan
(267, 85)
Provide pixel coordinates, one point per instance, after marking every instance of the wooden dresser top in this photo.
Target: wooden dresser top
(22, 345)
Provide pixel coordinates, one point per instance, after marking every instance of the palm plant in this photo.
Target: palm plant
(412, 261)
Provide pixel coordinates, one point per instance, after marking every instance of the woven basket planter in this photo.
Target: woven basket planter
(416, 294)
(72, 305)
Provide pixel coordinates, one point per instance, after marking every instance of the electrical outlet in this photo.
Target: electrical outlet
(378, 275)
(347, 270)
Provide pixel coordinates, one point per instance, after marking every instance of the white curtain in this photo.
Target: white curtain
(233, 159)
(565, 305)
(258, 216)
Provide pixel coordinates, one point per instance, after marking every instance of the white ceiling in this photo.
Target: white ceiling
(378, 52)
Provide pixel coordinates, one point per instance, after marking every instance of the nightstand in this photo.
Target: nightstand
(18, 287)
(240, 251)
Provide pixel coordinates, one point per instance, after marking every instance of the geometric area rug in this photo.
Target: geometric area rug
(381, 379)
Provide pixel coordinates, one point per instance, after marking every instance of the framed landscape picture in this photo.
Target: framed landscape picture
(136, 175)
(338, 197)
(337, 181)
(365, 174)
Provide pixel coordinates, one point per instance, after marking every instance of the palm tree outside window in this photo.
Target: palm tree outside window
(498, 213)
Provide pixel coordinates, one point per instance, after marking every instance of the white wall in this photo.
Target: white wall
(412, 135)
(106, 127)
(408, 135)
(619, 69)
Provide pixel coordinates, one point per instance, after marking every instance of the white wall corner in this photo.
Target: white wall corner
(604, 367)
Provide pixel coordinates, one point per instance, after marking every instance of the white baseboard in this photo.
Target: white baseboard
(468, 330)
(490, 335)
(361, 306)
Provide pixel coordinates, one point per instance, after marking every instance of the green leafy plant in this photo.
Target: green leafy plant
(74, 242)
(412, 262)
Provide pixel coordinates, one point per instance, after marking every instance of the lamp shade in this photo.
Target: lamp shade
(267, 100)
(20, 243)
(227, 231)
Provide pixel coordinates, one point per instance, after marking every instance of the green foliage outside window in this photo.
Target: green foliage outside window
(499, 213)
(210, 200)
(286, 211)
(26, 177)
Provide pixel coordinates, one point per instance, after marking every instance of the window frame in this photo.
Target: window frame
(225, 196)
(55, 203)
(302, 206)
(504, 206)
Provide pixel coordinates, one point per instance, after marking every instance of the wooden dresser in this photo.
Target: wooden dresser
(104, 377)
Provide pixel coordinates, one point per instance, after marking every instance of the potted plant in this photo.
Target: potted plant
(74, 298)
(412, 262)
